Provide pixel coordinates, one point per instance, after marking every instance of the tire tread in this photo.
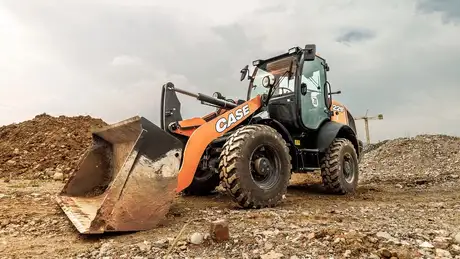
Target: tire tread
(228, 165)
(330, 166)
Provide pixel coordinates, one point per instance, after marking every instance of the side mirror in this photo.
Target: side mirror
(244, 72)
(310, 52)
(303, 88)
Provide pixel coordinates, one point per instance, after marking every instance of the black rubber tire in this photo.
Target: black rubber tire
(360, 148)
(235, 168)
(332, 167)
(205, 185)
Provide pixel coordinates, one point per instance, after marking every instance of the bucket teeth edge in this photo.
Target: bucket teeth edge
(73, 218)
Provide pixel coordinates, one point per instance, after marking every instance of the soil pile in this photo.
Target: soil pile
(424, 159)
(369, 147)
(44, 147)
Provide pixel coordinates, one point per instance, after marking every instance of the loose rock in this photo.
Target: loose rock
(443, 253)
(385, 253)
(58, 176)
(426, 245)
(272, 255)
(219, 230)
(196, 238)
(457, 238)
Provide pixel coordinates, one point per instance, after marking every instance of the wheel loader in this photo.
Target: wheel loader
(287, 123)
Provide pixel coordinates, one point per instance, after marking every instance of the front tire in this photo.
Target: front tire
(339, 167)
(255, 166)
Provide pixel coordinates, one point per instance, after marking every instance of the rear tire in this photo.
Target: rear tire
(253, 177)
(339, 167)
(204, 183)
(360, 149)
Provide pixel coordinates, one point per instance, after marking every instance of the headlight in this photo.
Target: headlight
(266, 81)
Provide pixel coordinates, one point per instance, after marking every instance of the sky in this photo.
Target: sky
(110, 58)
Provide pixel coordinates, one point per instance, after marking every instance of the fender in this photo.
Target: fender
(330, 130)
(283, 131)
(209, 131)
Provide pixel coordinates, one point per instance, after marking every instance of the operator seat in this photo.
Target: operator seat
(283, 109)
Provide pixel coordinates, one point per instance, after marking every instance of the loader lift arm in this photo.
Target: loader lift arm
(171, 118)
(206, 99)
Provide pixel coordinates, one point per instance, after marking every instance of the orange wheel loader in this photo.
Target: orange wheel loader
(288, 123)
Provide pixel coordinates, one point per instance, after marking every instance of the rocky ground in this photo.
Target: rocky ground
(424, 159)
(407, 206)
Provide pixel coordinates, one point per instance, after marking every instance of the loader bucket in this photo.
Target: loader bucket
(126, 181)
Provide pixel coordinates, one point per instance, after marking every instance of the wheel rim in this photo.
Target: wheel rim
(265, 165)
(348, 168)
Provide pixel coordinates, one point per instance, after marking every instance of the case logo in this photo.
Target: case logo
(337, 108)
(223, 123)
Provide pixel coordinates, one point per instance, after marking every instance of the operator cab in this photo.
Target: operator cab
(296, 88)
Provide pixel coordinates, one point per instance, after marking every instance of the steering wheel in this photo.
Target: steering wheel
(282, 87)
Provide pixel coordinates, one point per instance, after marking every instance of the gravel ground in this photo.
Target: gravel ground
(375, 222)
(407, 206)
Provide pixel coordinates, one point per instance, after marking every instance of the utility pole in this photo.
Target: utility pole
(366, 123)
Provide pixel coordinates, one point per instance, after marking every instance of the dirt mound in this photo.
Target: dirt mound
(369, 147)
(45, 146)
(423, 159)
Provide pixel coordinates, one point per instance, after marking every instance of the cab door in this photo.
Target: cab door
(313, 105)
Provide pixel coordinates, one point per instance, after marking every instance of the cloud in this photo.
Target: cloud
(109, 59)
(449, 9)
(355, 35)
